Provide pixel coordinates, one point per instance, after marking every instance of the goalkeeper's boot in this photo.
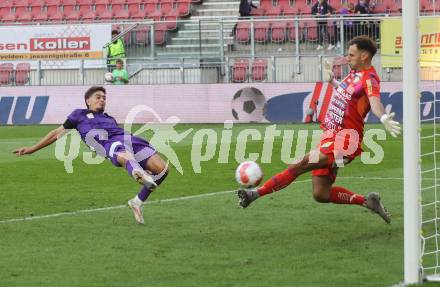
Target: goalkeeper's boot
(144, 178)
(137, 211)
(372, 202)
(247, 196)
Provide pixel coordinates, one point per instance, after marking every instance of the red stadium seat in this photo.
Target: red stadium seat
(259, 70)
(171, 19)
(278, 31)
(141, 35)
(273, 12)
(6, 73)
(22, 73)
(22, 11)
(291, 31)
(265, 5)
(240, 70)
(160, 33)
(135, 11)
(311, 29)
(242, 33)
(54, 13)
(290, 11)
(37, 8)
(102, 10)
(166, 6)
(261, 31)
(118, 10)
(156, 15)
(284, 4)
(150, 6)
(257, 12)
(184, 7)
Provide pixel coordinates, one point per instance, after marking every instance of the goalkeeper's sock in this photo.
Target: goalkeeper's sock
(340, 195)
(278, 181)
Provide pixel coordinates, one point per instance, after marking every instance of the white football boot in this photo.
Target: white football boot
(144, 178)
(137, 211)
(372, 202)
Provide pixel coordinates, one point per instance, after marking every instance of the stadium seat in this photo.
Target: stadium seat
(311, 29)
(291, 32)
(166, 6)
(259, 70)
(102, 10)
(171, 19)
(240, 70)
(283, 4)
(54, 12)
(118, 10)
(265, 5)
(184, 7)
(160, 33)
(70, 11)
(86, 10)
(156, 15)
(6, 73)
(290, 10)
(257, 12)
(141, 35)
(273, 11)
(302, 7)
(135, 9)
(261, 32)
(37, 8)
(426, 6)
(242, 33)
(22, 73)
(278, 31)
(150, 6)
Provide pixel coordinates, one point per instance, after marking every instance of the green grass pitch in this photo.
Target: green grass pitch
(285, 239)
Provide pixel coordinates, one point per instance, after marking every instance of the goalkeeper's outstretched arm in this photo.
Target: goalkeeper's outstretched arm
(392, 126)
(51, 137)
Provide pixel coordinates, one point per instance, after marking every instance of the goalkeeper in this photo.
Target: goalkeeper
(341, 141)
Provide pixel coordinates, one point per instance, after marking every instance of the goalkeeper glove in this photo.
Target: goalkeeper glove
(391, 126)
(327, 72)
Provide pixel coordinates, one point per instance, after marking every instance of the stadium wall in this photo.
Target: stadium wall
(209, 103)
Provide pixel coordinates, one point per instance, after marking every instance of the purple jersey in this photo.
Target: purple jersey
(101, 132)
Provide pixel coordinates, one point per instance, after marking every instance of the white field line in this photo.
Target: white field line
(165, 200)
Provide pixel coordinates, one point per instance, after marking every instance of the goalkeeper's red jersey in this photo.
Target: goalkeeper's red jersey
(349, 103)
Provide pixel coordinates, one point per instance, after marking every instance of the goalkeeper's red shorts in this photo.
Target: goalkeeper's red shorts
(339, 150)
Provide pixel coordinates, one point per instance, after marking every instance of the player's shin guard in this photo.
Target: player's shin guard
(278, 181)
(158, 179)
(340, 195)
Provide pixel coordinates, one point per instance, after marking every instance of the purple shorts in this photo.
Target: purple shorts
(141, 149)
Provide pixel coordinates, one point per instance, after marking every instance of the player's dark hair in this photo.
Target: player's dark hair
(364, 43)
(91, 91)
(119, 61)
(115, 32)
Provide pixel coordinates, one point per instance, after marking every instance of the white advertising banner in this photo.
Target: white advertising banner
(210, 103)
(57, 46)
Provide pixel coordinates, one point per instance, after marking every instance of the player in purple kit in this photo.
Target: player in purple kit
(102, 133)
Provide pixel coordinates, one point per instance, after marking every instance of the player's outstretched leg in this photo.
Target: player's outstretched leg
(154, 165)
(372, 202)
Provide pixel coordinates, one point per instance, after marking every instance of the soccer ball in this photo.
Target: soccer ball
(108, 77)
(248, 174)
(248, 105)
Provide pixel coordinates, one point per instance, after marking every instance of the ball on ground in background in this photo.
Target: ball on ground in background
(248, 105)
(108, 77)
(249, 174)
